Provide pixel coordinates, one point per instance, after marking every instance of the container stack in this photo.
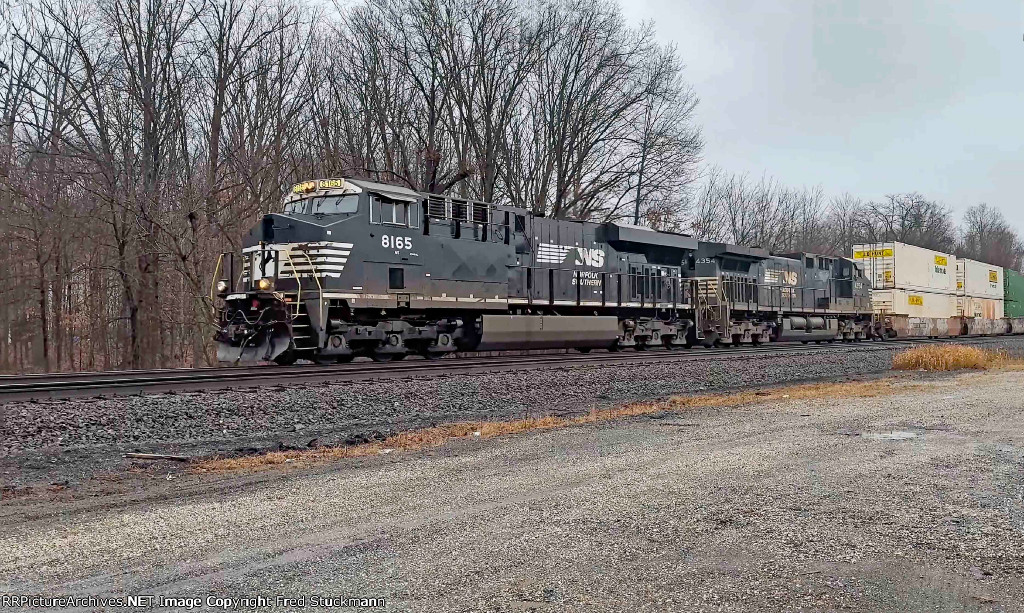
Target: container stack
(1013, 305)
(979, 289)
(909, 280)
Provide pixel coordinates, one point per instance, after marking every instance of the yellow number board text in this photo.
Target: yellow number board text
(915, 300)
(940, 260)
(330, 183)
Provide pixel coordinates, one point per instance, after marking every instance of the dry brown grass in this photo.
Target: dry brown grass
(439, 435)
(951, 357)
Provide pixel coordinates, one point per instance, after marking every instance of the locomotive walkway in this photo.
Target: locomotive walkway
(85, 384)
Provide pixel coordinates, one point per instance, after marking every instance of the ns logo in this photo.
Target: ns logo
(787, 277)
(588, 257)
(553, 253)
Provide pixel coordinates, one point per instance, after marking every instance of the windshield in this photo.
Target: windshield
(324, 205)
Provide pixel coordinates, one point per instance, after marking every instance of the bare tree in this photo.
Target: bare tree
(909, 218)
(986, 236)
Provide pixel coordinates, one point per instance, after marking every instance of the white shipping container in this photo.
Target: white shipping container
(978, 279)
(902, 266)
(987, 308)
(913, 303)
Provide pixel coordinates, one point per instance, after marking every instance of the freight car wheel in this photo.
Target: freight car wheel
(431, 355)
(583, 349)
(382, 357)
(345, 359)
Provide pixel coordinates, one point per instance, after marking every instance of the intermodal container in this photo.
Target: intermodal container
(901, 266)
(979, 280)
(1013, 283)
(987, 308)
(914, 303)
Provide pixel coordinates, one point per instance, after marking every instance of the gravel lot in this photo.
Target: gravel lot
(905, 502)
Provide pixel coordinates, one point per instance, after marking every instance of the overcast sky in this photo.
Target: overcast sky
(867, 97)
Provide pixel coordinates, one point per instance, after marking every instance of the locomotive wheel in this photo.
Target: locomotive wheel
(667, 343)
(382, 357)
(640, 347)
(583, 349)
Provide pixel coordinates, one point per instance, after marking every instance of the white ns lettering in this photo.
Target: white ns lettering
(589, 257)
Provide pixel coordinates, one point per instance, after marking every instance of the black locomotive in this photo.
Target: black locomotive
(356, 268)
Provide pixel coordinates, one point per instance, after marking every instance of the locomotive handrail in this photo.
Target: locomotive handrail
(319, 287)
(298, 280)
(213, 281)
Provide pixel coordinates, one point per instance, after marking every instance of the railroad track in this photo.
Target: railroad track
(69, 385)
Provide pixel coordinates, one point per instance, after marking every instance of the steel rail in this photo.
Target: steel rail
(68, 385)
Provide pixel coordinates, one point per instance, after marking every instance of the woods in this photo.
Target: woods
(141, 138)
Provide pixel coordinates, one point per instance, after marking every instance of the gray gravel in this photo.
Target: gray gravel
(906, 502)
(65, 441)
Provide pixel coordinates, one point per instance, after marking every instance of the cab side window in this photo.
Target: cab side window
(392, 212)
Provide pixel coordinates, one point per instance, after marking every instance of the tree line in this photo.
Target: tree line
(141, 138)
(736, 209)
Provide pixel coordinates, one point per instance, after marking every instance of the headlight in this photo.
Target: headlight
(222, 287)
(265, 284)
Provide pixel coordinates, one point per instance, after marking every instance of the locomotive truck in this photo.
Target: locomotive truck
(356, 268)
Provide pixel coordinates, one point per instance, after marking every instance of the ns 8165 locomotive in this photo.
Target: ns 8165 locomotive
(355, 268)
